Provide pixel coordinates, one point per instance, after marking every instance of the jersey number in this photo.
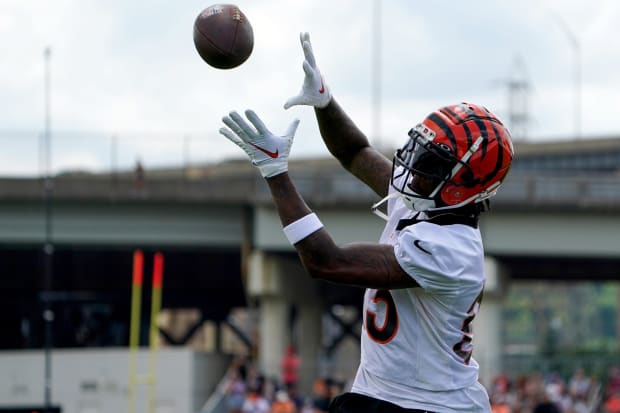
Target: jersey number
(386, 332)
(464, 348)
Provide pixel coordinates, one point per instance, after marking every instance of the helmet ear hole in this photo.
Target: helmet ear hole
(468, 176)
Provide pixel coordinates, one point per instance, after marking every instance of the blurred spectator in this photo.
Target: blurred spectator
(540, 397)
(320, 396)
(613, 382)
(556, 390)
(500, 408)
(612, 404)
(500, 403)
(235, 394)
(236, 389)
(335, 387)
(282, 403)
(579, 390)
(293, 394)
(254, 379)
(139, 180)
(307, 406)
(533, 393)
(255, 402)
(501, 384)
(499, 394)
(290, 367)
(579, 385)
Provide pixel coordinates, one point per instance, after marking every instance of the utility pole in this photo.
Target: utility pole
(48, 247)
(574, 42)
(376, 74)
(518, 101)
(518, 109)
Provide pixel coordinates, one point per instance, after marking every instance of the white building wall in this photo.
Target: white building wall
(96, 380)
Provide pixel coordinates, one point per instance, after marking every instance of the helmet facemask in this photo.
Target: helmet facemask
(421, 168)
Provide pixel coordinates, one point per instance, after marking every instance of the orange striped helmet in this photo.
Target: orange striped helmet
(458, 155)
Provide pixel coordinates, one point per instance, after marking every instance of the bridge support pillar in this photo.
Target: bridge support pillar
(272, 334)
(290, 310)
(487, 325)
(309, 343)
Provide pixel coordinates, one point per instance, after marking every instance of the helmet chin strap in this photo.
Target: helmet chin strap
(375, 207)
(415, 204)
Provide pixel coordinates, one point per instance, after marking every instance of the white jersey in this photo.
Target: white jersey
(416, 347)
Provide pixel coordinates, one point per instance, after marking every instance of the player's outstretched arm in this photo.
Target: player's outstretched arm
(364, 265)
(361, 264)
(350, 146)
(342, 137)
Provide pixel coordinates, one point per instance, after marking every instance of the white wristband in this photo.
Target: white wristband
(302, 228)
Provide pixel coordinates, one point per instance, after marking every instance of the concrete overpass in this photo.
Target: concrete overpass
(225, 246)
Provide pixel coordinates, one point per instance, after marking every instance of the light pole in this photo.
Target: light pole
(574, 42)
(376, 74)
(48, 247)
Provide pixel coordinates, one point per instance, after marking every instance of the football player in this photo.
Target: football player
(424, 279)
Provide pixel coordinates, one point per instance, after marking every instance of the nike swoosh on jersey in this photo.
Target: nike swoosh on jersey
(421, 248)
(265, 151)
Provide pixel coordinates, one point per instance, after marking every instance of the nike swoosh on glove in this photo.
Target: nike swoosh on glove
(268, 152)
(314, 91)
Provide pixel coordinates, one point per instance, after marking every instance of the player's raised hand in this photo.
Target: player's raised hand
(314, 91)
(268, 152)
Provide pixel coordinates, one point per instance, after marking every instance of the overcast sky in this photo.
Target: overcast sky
(129, 70)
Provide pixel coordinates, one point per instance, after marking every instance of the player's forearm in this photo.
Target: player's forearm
(317, 251)
(342, 137)
(289, 204)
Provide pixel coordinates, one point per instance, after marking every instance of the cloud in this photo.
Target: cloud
(130, 68)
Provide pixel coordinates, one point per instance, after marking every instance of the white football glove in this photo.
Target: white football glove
(314, 91)
(268, 152)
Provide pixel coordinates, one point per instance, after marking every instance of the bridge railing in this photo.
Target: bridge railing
(319, 187)
(526, 190)
(601, 191)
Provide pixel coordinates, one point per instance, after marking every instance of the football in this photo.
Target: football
(223, 36)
